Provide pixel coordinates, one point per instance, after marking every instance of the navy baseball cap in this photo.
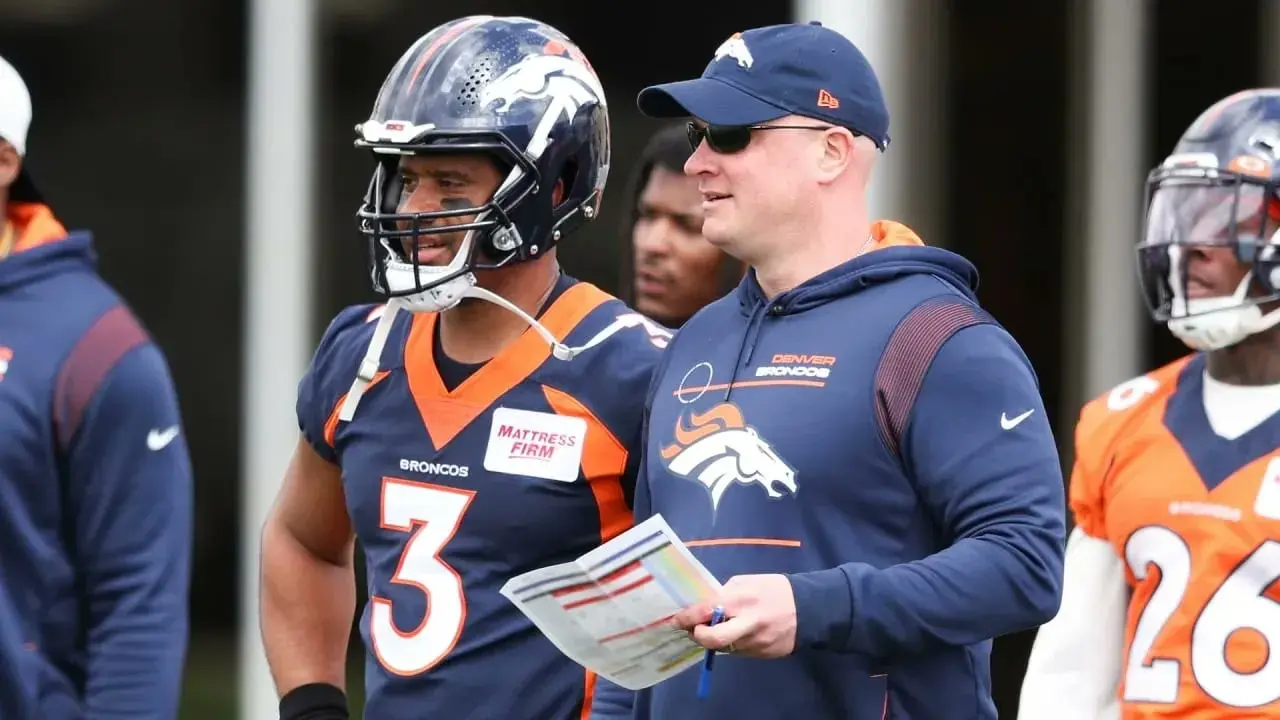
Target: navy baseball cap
(770, 72)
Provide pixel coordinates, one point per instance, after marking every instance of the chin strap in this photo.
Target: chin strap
(558, 349)
(1218, 322)
(369, 365)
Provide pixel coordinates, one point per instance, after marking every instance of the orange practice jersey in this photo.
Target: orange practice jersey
(1196, 519)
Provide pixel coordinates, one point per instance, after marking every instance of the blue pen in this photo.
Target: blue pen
(704, 679)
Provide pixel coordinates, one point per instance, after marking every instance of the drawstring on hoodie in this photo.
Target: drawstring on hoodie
(755, 325)
(748, 345)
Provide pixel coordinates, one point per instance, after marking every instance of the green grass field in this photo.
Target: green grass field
(211, 685)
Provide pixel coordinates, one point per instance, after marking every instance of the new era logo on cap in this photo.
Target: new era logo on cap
(769, 72)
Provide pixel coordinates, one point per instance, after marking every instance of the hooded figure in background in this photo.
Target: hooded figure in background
(669, 271)
(96, 521)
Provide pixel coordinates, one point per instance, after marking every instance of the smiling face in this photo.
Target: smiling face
(432, 183)
(750, 195)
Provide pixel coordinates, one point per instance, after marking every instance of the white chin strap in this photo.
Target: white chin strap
(1219, 322)
(369, 365)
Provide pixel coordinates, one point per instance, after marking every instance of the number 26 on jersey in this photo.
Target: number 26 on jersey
(1238, 605)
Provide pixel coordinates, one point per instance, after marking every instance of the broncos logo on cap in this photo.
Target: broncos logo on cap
(717, 449)
(736, 48)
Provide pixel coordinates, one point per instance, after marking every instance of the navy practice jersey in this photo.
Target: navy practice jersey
(526, 463)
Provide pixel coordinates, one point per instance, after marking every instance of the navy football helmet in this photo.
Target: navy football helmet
(515, 89)
(1219, 188)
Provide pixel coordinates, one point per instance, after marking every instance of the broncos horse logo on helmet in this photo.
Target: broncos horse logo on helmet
(1220, 188)
(515, 89)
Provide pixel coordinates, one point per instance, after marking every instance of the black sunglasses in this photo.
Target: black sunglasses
(728, 139)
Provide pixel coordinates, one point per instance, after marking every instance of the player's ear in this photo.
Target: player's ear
(837, 150)
(557, 193)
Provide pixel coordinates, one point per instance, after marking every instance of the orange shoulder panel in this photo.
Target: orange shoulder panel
(450, 411)
(1101, 429)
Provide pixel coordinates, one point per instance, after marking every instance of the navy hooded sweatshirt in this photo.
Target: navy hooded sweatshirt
(95, 492)
(911, 492)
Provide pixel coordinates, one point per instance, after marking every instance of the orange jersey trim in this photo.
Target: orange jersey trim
(1103, 424)
(331, 425)
(604, 460)
(445, 413)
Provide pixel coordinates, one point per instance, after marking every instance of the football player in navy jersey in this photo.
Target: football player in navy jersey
(479, 423)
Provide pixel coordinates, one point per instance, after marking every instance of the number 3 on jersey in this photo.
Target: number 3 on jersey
(1237, 604)
(431, 515)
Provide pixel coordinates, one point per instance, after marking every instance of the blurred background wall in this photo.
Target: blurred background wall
(1022, 132)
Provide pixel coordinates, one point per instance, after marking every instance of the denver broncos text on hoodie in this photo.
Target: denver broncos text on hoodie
(95, 492)
(911, 492)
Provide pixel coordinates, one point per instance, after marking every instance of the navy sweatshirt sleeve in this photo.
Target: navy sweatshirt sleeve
(981, 453)
(130, 493)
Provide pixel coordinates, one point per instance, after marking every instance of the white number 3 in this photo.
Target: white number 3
(1239, 603)
(431, 514)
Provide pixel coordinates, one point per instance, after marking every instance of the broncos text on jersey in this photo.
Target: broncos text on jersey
(1196, 519)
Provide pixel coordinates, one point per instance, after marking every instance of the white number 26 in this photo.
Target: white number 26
(1237, 604)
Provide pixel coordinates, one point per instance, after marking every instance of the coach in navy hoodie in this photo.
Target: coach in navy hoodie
(95, 482)
(848, 442)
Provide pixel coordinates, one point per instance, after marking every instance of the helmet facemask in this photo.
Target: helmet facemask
(1195, 210)
(490, 239)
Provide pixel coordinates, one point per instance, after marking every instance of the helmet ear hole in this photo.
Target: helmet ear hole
(564, 185)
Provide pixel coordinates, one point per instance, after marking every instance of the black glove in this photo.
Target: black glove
(314, 701)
